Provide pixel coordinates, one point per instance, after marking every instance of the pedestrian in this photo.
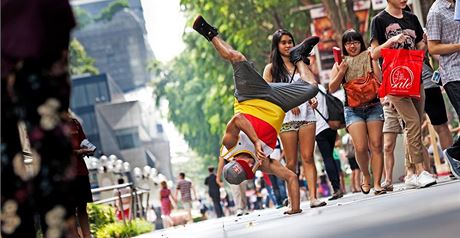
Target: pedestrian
(338, 163)
(260, 107)
(269, 188)
(397, 29)
(81, 186)
(166, 203)
(203, 209)
(355, 171)
(299, 124)
(444, 40)
(213, 191)
(279, 190)
(35, 91)
(123, 205)
(325, 139)
(185, 187)
(434, 103)
(364, 120)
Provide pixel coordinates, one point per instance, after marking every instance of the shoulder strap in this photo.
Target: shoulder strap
(325, 98)
(321, 115)
(370, 62)
(321, 91)
(292, 77)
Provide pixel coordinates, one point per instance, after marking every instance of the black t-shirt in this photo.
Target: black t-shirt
(384, 26)
(213, 186)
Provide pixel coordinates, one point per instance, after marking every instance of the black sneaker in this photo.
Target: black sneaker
(303, 49)
(206, 30)
(305, 59)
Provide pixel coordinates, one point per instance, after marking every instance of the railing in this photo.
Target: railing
(137, 209)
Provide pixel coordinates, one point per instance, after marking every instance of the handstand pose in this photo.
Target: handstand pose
(259, 112)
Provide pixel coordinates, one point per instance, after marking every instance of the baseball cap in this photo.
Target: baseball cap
(236, 171)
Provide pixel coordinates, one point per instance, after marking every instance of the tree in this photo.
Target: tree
(80, 63)
(83, 17)
(107, 13)
(341, 13)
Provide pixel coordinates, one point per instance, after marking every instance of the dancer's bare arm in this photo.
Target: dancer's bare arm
(220, 167)
(240, 123)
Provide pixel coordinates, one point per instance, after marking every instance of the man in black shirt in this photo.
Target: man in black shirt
(397, 29)
(214, 192)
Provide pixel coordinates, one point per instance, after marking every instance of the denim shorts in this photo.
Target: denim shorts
(365, 114)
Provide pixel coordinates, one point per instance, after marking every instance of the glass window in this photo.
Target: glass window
(89, 123)
(79, 98)
(103, 91)
(127, 138)
(159, 128)
(93, 93)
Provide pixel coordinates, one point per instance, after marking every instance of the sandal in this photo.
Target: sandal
(290, 212)
(317, 203)
(387, 186)
(379, 192)
(365, 191)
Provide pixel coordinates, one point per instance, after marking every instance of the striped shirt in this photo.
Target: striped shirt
(185, 186)
(442, 27)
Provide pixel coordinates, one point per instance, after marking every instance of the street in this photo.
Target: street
(417, 213)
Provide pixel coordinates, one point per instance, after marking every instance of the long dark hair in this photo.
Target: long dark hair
(279, 71)
(352, 35)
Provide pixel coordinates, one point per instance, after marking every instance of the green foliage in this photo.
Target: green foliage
(80, 63)
(120, 230)
(114, 7)
(83, 17)
(198, 84)
(99, 216)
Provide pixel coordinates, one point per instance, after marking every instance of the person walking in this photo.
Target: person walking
(214, 192)
(166, 204)
(364, 119)
(123, 206)
(394, 28)
(185, 187)
(81, 185)
(298, 129)
(351, 156)
(444, 40)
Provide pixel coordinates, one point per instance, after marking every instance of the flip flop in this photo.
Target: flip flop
(292, 212)
(379, 192)
(364, 191)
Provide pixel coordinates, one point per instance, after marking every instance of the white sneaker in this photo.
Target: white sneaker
(425, 179)
(411, 181)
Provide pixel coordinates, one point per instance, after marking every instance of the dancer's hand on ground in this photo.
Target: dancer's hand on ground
(220, 183)
(259, 151)
(295, 111)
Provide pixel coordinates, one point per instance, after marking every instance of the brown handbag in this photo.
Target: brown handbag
(362, 90)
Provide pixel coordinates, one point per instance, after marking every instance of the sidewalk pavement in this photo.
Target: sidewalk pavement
(418, 213)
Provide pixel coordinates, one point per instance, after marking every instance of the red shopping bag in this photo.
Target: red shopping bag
(402, 70)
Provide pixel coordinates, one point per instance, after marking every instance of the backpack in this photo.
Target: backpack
(335, 110)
